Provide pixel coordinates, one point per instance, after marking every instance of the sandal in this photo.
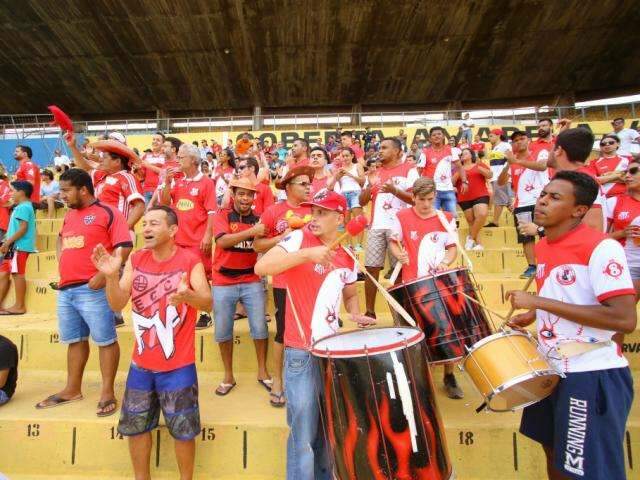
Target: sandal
(56, 400)
(224, 388)
(277, 400)
(103, 406)
(266, 383)
(239, 316)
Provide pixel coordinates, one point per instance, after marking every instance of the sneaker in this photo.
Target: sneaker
(490, 225)
(529, 272)
(477, 247)
(452, 388)
(204, 321)
(468, 244)
(118, 320)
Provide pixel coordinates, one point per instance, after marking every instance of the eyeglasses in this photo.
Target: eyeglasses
(604, 144)
(241, 167)
(633, 170)
(303, 184)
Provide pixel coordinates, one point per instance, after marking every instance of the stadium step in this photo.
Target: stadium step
(242, 436)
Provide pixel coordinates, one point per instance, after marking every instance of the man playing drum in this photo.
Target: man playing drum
(316, 278)
(428, 248)
(585, 297)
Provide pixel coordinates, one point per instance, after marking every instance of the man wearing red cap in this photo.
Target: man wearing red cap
(316, 278)
(497, 161)
(279, 220)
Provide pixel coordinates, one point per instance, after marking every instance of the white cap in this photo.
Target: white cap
(117, 136)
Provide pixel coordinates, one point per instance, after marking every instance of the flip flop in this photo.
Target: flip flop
(57, 401)
(224, 388)
(107, 403)
(266, 383)
(5, 312)
(239, 316)
(279, 400)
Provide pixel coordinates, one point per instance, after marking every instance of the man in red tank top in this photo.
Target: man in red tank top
(167, 285)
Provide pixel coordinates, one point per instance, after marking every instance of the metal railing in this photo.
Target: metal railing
(37, 125)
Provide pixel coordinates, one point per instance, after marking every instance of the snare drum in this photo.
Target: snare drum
(449, 320)
(380, 416)
(509, 371)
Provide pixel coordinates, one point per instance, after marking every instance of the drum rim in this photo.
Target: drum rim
(512, 382)
(494, 336)
(404, 284)
(359, 352)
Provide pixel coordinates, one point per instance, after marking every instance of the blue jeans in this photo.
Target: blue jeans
(307, 453)
(445, 200)
(353, 199)
(83, 312)
(225, 299)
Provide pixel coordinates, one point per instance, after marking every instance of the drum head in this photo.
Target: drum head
(525, 391)
(371, 341)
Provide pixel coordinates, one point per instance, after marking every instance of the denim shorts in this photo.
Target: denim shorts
(446, 200)
(174, 392)
(353, 199)
(83, 312)
(225, 299)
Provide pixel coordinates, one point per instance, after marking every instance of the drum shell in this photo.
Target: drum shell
(451, 322)
(507, 359)
(366, 427)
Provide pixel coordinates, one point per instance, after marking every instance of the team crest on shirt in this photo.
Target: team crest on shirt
(434, 237)
(111, 180)
(613, 269)
(321, 195)
(540, 270)
(566, 275)
(319, 269)
(529, 187)
(140, 283)
(194, 192)
(623, 215)
(89, 219)
(233, 227)
(413, 235)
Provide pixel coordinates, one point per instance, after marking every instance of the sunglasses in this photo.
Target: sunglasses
(604, 144)
(241, 167)
(633, 170)
(303, 184)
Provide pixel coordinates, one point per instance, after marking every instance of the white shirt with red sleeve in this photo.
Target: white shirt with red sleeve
(151, 178)
(386, 205)
(193, 200)
(612, 164)
(527, 184)
(425, 240)
(583, 267)
(314, 292)
(30, 172)
(120, 189)
(624, 211)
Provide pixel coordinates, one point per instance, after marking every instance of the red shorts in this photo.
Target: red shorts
(206, 259)
(17, 264)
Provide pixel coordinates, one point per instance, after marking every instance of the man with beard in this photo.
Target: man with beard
(346, 141)
(83, 310)
(28, 170)
(299, 157)
(542, 145)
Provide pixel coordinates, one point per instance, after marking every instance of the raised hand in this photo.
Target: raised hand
(105, 263)
(182, 293)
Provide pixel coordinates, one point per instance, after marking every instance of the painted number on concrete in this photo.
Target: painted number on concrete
(115, 435)
(41, 290)
(54, 338)
(33, 430)
(236, 340)
(466, 438)
(207, 434)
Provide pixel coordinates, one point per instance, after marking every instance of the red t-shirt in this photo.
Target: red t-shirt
(171, 164)
(234, 265)
(603, 165)
(193, 200)
(624, 210)
(164, 334)
(83, 229)
(5, 196)
(424, 239)
(540, 149)
(431, 159)
(477, 146)
(264, 198)
(477, 183)
(30, 172)
(151, 178)
(275, 221)
(120, 189)
(314, 292)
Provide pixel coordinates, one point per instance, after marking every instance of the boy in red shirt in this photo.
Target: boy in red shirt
(167, 286)
(428, 248)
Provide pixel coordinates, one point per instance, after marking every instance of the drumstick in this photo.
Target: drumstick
(398, 267)
(354, 227)
(451, 231)
(483, 306)
(526, 287)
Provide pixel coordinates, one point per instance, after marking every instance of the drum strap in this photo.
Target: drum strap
(571, 349)
(393, 303)
(452, 232)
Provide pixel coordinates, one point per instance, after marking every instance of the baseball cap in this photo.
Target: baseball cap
(497, 131)
(117, 136)
(293, 173)
(328, 200)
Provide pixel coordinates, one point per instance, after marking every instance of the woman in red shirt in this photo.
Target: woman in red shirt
(611, 167)
(475, 201)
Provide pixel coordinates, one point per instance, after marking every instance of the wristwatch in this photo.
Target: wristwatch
(540, 230)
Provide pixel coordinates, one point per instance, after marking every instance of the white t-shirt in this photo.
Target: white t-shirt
(627, 145)
(386, 205)
(61, 160)
(497, 160)
(442, 175)
(348, 184)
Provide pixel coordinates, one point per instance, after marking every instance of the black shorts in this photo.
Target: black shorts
(280, 302)
(467, 204)
(516, 211)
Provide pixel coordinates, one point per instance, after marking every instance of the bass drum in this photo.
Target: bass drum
(380, 415)
(450, 321)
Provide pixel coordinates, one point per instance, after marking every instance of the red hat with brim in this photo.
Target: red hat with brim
(293, 173)
(328, 200)
(497, 131)
(119, 148)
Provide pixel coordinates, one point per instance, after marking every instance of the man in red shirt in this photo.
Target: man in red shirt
(346, 140)
(431, 155)
(279, 220)
(153, 164)
(428, 248)
(477, 145)
(316, 279)
(167, 285)
(28, 170)
(194, 201)
(234, 281)
(5, 202)
(83, 310)
(542, 145)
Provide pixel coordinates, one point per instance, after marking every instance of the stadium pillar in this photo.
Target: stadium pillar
(257, 118)
(162, 118)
